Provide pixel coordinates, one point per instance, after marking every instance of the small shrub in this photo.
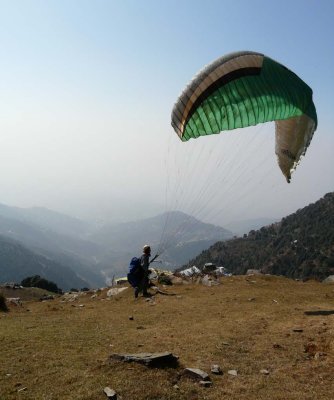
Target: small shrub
(3, 305)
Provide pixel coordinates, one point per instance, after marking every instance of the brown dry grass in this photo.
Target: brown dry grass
(58, 350)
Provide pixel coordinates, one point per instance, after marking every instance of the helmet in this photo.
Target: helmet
(146, 249)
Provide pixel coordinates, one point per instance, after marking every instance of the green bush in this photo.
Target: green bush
(3, 305)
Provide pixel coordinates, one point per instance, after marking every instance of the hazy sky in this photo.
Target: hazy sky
(87, 89)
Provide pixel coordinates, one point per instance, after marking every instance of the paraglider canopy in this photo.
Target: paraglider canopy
(244, 89)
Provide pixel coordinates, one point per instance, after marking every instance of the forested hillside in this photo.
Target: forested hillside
(299, 246)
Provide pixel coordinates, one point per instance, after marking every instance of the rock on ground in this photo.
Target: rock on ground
(115, 291)
(215, 369)
(196, 374)
(110, 393)
(157, 360)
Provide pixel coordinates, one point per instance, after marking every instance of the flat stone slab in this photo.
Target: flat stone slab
(233, 372)
(196, 374)
(205, 383)
(319, 312)
(158, 360)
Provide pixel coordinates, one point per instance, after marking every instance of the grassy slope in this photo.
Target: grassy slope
(60, 351)
(25, 293)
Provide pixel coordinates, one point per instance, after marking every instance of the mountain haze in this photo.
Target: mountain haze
(37, 231)
(299, 246)
(18, 262)
(96, 254)
(176, 235)
(48, 219)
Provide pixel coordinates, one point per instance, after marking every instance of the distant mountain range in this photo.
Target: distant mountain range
(48, 220)
(61, 242)
(94, 254)
(17, 262)
(75, 253)
(299, 246)
(176, 236)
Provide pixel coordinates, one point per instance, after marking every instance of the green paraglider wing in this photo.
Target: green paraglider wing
(244, 89)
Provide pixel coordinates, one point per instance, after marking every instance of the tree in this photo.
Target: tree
(37, 281)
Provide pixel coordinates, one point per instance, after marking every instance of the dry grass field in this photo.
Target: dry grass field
(60, 350)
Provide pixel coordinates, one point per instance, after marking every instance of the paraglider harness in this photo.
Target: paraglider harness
(135, 274)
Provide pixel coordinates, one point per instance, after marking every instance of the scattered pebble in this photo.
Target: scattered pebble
(319, 354)
(110, 393)
(205, 383)
(232, 372)
(215, 369)
(264, 372)
(277, 346)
